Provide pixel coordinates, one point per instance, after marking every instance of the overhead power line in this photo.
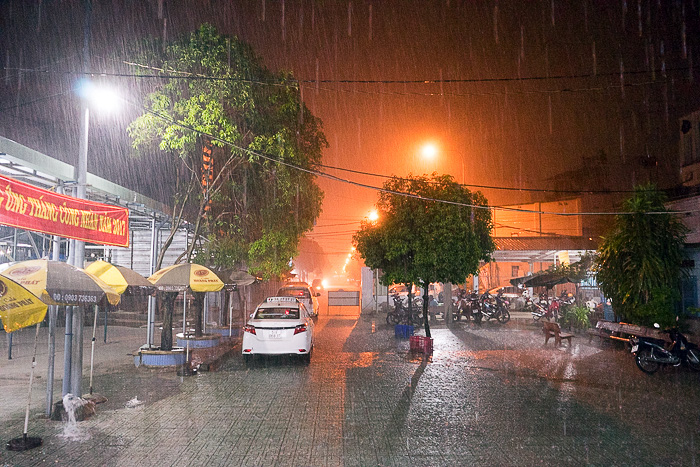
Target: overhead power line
(485, 187)
(174, 74)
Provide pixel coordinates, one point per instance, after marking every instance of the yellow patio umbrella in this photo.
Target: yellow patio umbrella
(180, 277)
(19, 307)
(58, 283)
(120, 278)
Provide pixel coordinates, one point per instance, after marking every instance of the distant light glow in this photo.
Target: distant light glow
(429, 151)
(373, 216)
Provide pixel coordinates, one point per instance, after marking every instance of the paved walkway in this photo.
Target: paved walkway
(489, 395)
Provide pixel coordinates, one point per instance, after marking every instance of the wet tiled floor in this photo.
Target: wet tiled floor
(489, 395)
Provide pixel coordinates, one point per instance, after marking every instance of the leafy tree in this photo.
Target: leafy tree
(218, 99)
(430, 229)
(639, 262)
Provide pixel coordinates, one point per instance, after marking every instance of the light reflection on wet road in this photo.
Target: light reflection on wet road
(489, 395)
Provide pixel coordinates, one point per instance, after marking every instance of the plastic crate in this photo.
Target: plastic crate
(421, 344)
(403, 331)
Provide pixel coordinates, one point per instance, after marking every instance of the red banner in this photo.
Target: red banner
(31, 208)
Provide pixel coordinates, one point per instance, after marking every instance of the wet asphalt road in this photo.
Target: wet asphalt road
(489, 395)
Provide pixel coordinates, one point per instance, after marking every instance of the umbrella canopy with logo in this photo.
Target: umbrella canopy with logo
(120, 278)
(57, 283)
(19, 307)
(180, 277)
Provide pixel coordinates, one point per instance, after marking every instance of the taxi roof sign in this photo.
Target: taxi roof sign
(281, 299)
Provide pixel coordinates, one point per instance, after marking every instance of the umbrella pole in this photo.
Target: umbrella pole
(230, 314)
(106, 307)
(26, 442)
(184, 314)
(92, 352)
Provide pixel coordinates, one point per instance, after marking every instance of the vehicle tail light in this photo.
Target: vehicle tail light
(302, 350)
(249, 328)
(299, 328)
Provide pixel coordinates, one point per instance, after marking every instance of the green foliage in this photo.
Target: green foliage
(576, 271)
(270, 254)
(227, 99)
(417, 240)
(639, 262)
(422, 241)
(576, 316)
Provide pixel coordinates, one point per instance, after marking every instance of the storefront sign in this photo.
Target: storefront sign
(31, 208)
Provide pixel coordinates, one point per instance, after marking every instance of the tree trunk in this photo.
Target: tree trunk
(167, 303)
(426, 304)
(199, 311)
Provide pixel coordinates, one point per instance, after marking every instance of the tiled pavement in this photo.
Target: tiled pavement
(490, 395)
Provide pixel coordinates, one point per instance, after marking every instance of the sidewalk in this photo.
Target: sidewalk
(115, 355)
(490, 394)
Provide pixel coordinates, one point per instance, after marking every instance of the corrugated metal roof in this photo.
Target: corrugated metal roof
(544, 243)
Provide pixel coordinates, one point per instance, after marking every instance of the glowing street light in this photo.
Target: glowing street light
(429, 151)
(373, 216)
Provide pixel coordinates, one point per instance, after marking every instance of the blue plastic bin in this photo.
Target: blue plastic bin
(403, 331)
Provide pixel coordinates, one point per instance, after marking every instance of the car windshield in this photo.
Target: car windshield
(294, 292)
(277, 313)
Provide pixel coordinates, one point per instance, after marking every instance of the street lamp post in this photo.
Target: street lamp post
(73, 354)
(78, 259)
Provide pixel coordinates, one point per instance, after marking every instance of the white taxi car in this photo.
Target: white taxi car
(303, 292)
(279, 326)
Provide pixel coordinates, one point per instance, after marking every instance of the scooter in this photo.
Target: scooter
(536, 309)
(490, 308)
(502, 306)
(650, 354)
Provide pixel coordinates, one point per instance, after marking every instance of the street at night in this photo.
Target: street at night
(252, 199)
(489, 395)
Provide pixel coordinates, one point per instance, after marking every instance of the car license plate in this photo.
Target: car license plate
(276, 334)
(635, 348)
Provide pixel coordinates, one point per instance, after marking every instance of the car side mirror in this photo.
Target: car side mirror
(251, 315)
(317, 294)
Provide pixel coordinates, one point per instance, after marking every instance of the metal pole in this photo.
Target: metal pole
(31, 380)
(53, 318)
(92, 353)
(230, 314)
(184, 313)
(151, 298)
(76, 374)
(53, 315)
(205, 312)
(14, 257)
(67, 349)
(76, 363)
(376, 291)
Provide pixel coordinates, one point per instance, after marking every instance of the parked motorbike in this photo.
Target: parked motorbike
(400, 314)
(489, 309)
(502, 306)
(650, 354)
(537, 309)
(461, 306)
